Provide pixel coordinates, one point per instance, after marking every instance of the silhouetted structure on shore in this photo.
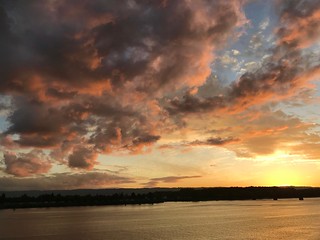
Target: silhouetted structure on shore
(154, 196)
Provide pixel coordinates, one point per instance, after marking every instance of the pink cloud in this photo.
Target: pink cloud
(26, 164)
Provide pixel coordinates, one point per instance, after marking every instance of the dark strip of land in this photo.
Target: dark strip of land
(152, 196)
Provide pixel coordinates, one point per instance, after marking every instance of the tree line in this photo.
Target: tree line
(183, 194)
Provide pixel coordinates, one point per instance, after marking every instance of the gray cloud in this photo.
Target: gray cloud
(91, 75)
(215, 141)
(82, 158)
(63, 181)
(195, 104)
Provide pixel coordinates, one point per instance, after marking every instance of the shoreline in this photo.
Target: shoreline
(154, 196)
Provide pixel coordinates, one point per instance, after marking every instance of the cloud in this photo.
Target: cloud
(146, 139)
(152, 57)
(94, 75)
(26, 164)
(272, 131)
(195, 104)
(281, 75)
(235, 52)
(34, 118)
(264, 24)
(215, 141)
(64, 181)
(300, 20)
(308, 149)
(118, 76)
(141, 144)
(210, 142)
(258, 131)
(82, 158)
(170, 179)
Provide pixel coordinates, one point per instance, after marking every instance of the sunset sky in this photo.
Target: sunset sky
(159, 93)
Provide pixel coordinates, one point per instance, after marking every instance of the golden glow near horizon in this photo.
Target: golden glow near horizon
(284, 177)
(288, 170)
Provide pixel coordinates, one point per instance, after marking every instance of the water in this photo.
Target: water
(261, 219)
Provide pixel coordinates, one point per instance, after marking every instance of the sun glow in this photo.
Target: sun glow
(284, 177)
(282, 169)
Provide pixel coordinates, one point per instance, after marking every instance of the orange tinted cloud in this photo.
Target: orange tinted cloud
(274, 131)
(26, 164)
(92, 73)
(281, 76)
(301, 23)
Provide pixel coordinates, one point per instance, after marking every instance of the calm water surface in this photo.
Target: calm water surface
(261, 219)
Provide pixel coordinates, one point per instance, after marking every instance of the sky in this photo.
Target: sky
(159, 93)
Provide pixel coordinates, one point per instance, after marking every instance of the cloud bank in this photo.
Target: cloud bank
(88, 79)
(102, 77)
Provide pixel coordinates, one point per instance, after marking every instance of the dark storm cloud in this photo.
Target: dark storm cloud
(91, 73)
(153, 44)
(38, 125)
(195, 104)
(36, 141)
(35, 118)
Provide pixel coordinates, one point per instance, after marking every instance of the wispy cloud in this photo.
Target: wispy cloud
(170, 179)
(64, 181)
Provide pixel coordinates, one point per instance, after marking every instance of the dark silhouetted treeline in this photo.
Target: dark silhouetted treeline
(183, 194)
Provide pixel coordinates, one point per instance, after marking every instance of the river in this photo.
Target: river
(260, 219)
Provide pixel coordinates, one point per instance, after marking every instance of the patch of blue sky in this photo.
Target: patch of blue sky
(258, 39)
(258, 10)
(307, 110)
(5, 102)
(3, 124)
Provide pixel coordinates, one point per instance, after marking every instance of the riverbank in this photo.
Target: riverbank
(155, 196)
